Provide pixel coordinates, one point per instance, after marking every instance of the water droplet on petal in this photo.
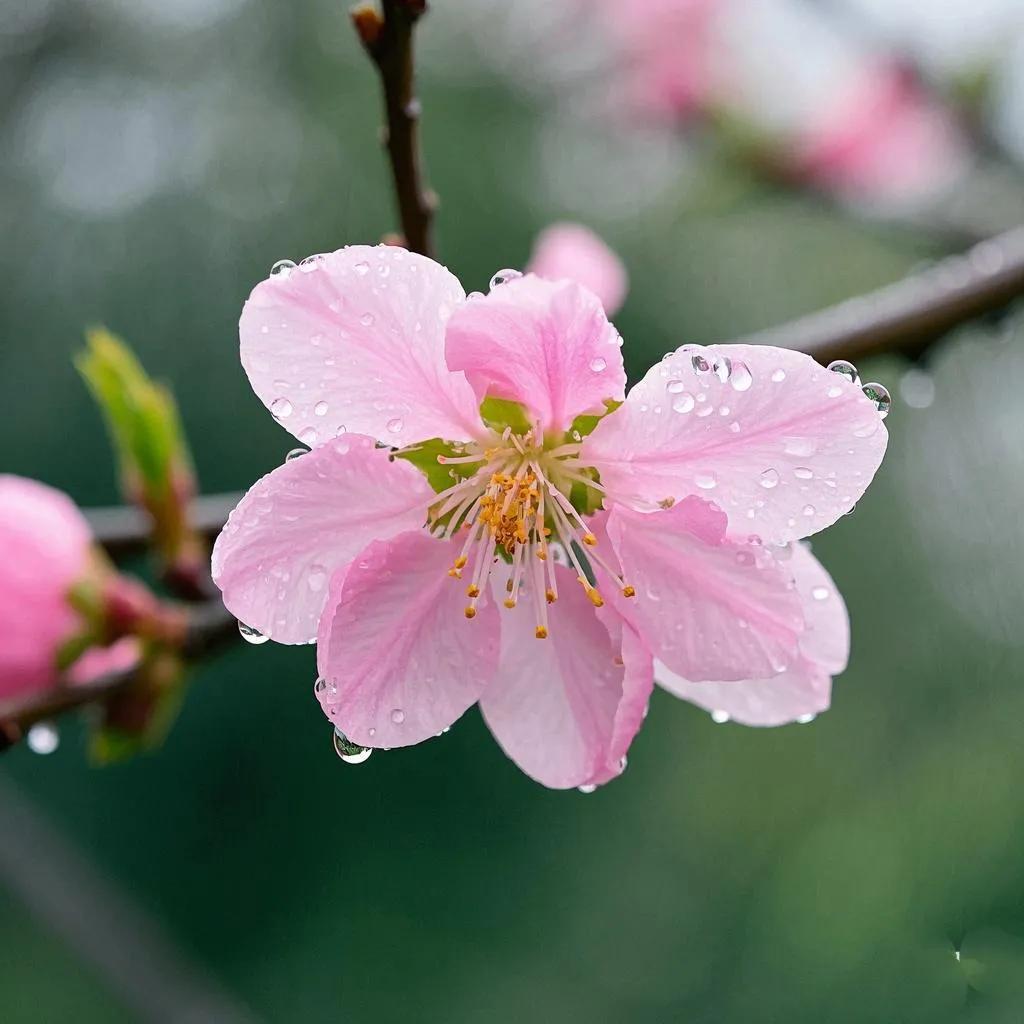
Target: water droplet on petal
(503, 277)
(316, 578)
(769, 479)
(395, 425)
(349, 752)
(43, 738)
(879, 395)
(706, 481)
(308, 436)
(809, 510)
(778, 376)
(366, 319)
(281, 408)
(745, 558)
(674, 387)
(845, 369)
(295, 453)
(722, 368)
(398, 716)
(319, 686)
(720, 717)
(699, 364)
(282, 268)
(684, 403)
(598, 364)
(820, 593)
(362, 268)
(742, 378)
(251, 635)
(320, 408)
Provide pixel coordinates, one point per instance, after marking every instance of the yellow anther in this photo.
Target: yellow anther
(595, 598)
(546, 531)
(455, 574)
(617, 661)
(541, 633)
(550, 595)
(508, 585)
(589, 539)
(472, 590)
(542, 554)
(460, 561)
(509, 603)
(470, 612)
(628, 591)
(667, 502)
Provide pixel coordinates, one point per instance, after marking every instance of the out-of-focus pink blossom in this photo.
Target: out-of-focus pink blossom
(120, 656)
(45, 545)
(573, 252)
(882, 140)
(462, 532)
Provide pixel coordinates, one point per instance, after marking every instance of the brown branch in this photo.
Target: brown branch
(209, 625)
(912, 313)
(388, 39)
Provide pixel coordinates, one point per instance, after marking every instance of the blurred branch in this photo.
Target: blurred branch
(910, 314)
(208, 625)
(387, 37)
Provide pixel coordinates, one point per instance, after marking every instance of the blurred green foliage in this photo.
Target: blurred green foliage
(818, 873)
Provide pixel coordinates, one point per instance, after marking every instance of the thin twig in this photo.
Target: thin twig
(388, 39)
(910, 314)
(209, 625)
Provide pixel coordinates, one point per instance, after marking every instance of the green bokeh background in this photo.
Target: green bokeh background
(818, 873)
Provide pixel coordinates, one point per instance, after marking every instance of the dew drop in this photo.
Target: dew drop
(769, 479)
(778, 376)
(720, 717)
(699, 364)
(308, 436)
(503, 277)
(281, 408)
(295, 453)
(674, 387)
(362, 268)
(597, 364)
(878, 394)
(316, 578)
(395, 425)
(706, 481)
(320, 408)
(349, 752)
(742, 378)
(282, 268)
(43, 738)
(366, 319)
(805, 719)
(809, 510)
(705, 410)
(251, 635)
(722, 368)
(398, 716)
(684, 403)
(803, 473)
(820, 593)
(845, 369)
(319, 686)
(587, 789)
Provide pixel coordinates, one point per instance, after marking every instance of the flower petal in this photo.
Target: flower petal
(573, 252)
(562, 708)
(545, 344)
(296, 526)
(354, 340)
(784, 446)
(708, 610)
(805, 687)
(399, 658)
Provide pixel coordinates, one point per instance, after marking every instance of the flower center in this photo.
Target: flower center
(514, 507)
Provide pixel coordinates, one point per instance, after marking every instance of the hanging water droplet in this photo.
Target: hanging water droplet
(879, 395)
(720, 717)
(349, 752)
(597, 364)
(769, 479)
(706, 481)
(282, 268)
(742, 378)
(845, 369)
(395, 425)
(805, 719)
(43, 738)
(778, 376)
(684, 403)
(820, 593)
(398, 716)
(251, 635)
(281, 408)
(587, 789)
(320, 409)
(722, 368)
(295, 453)
(319, 686)
(917, 388)
(504, 276)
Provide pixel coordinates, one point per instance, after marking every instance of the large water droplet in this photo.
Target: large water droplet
(722, 368)
(742, 378)
(598, 365)
(282, 268)
(675, 386)
(684, 403)
(295, 453)
(43, 738)
(805, 719)
(281, 408)
(769, 479)
(879, 395)
(319, 686)
(349, 752)
(504, 276)
(845, 369)
(720, 717)
(251, 635)
(706, 481)
(699, 364)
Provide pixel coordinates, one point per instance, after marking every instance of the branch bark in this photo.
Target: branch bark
(388, 39)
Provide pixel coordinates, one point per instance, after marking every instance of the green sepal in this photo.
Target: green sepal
(499, 413)
(586, 500)
(584, 424)
(440, 476)
(72, 649)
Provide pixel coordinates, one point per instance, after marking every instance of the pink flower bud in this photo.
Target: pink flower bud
(44, 551)
(574, 253)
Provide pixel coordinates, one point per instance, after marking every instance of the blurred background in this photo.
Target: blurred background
(750, 160)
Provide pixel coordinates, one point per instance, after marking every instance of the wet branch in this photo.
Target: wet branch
(387, 38)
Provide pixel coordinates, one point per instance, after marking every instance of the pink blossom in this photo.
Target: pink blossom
(573, 252)
(881, 140)
(560, 550)
(45, 542)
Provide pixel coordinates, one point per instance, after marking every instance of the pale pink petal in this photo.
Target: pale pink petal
(354, 340)
(45, 542)
(545, 344)
(805, 687)
(783, 445)
(573, 252)
(120, 656)
(399, 659)
(566, 708)
(296, 526)
(707, 610)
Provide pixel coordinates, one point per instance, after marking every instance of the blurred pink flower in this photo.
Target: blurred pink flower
(46, 550)
(573, 252)
(600, 541)
(882, 140)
